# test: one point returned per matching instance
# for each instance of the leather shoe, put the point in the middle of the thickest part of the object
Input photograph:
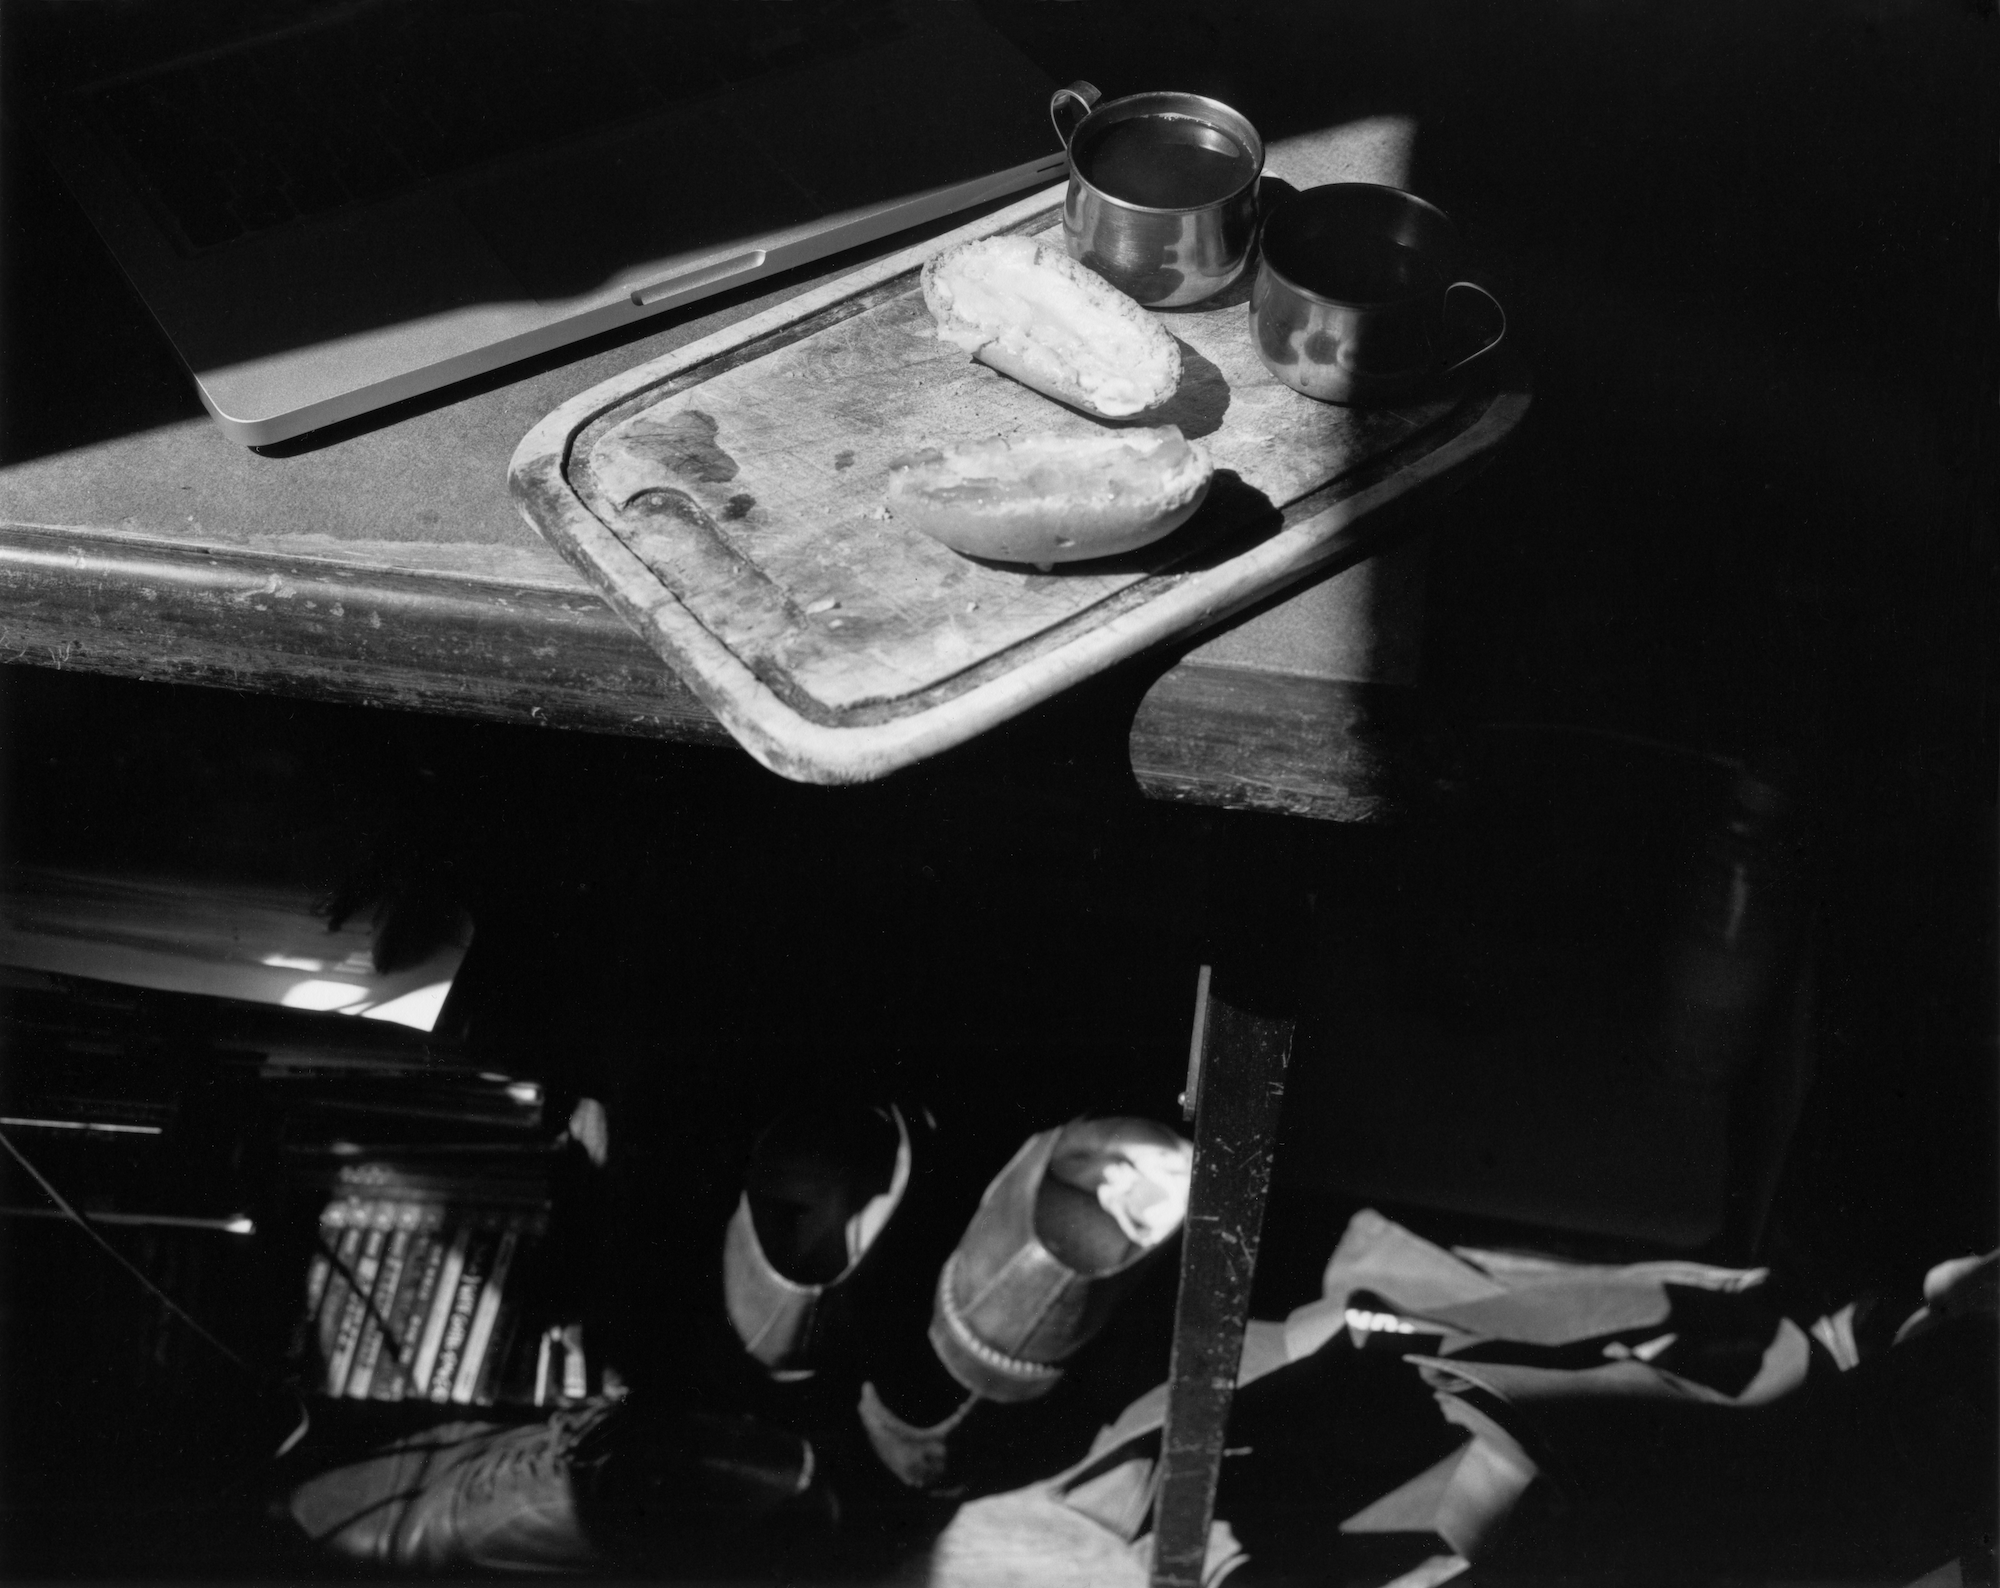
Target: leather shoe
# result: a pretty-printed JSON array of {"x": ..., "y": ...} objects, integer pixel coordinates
[
  {"x": 579, "y": 1489},
  {"x": 815, "y": 1270},
  {"x": 1060, "y": 1236}
]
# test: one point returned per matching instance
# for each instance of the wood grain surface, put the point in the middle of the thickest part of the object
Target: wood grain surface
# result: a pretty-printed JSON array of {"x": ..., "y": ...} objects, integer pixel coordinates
[
  {"x": 796, "y": 562},
  {"x": 728, "y": 501},
  {"x": 385, "y": 564}
]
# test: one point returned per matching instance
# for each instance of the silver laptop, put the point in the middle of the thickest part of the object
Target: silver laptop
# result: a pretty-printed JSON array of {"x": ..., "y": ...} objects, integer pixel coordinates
[{"x": 363, "y": 201}]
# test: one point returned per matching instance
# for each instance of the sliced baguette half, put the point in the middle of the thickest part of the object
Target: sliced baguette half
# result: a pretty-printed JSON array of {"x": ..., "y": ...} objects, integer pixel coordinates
[
  {"x": 1051, "y": 499},
  {"x": 1034, "y": 313}
]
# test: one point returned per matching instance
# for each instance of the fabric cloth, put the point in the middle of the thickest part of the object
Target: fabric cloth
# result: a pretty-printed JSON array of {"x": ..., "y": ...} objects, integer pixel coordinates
[{"x": 1658, "y": 1404}]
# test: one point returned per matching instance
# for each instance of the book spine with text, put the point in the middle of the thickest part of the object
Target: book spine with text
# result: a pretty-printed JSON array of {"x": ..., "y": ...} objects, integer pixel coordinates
[
  {"x": 354, "y": 1310},
  {"x": 479, "y": 1252},
  {"x": 344, "y": 1237},
  {"x": 410, "y": 1309},
  {"x": 479, "y": 1338},
  {"x": 439, "y": 1314},
  {"x": 388, "y": 1278}
]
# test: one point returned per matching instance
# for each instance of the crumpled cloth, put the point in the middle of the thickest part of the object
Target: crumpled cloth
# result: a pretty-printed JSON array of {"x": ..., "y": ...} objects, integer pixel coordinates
[
  {"x": 1656, "y": 1399},
  {"x": 1558, "y": 1368}
]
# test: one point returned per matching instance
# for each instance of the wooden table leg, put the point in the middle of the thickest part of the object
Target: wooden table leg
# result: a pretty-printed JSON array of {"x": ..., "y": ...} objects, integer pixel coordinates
[{"x": 1236, "y": 1088}]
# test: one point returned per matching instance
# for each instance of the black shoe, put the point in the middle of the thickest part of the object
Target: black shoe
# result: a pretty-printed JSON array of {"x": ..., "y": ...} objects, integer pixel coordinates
[
  {"x": 830, "y": 1256},
  {"x": 580, "y": 1489}
]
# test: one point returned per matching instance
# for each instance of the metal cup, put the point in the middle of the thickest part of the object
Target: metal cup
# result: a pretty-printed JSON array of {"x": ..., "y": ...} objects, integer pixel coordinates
[
  {"x": 1162, "y": 197},
  {"x": 1352, "y": 283}
]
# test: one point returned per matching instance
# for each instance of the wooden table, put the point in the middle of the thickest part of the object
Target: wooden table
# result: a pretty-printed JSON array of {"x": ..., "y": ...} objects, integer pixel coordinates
[{"x": 384, "y": 563}]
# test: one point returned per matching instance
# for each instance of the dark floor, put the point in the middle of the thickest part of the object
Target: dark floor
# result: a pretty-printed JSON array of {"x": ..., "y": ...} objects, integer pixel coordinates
[{"x": 696, "y": 943}]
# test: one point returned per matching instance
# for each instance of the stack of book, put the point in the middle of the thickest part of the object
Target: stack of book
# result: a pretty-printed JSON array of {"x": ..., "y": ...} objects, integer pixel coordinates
[{"x": 420, "y": 1285}]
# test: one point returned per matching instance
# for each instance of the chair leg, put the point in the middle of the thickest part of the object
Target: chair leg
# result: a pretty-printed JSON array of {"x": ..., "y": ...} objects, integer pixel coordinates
[{"x": 1236, "y": 1085}]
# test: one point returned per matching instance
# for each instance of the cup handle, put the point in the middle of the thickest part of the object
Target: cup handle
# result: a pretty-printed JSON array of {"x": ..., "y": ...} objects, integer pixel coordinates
[
  {"x": 1078, "y": 94},
  {"x": 1493, "y": 341}
]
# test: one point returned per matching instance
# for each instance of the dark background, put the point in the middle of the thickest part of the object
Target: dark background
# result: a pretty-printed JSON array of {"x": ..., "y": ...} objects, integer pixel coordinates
[{"x": 1749, "y": 256}]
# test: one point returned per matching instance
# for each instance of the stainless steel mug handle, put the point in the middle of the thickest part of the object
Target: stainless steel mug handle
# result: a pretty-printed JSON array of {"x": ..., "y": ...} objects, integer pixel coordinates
[
  {"x": 1083, "y": 94},
  {"x": 1497, "y": 337}
]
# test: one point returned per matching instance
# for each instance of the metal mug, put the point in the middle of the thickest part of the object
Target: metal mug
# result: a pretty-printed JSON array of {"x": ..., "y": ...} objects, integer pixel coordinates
[
  {"x": 1162, "y": 197},
  {"x": 1352, "y": 284}
]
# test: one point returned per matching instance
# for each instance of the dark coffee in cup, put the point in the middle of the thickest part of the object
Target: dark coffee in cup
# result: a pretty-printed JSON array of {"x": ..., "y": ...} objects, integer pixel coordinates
[
  {"x": 1164, "y": 162},
  {"x": 1162, "y": 198},
  {"x": 1352, "y": 284},
  {"x": 1357, "y": 267}
]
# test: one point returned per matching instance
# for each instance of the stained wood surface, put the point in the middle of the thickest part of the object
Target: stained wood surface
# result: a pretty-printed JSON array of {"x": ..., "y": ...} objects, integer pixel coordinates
[
  {"x": 318, "y": 629},
  {"x": 729, "y": 501},
  {"x": 798, "y": 565},
  {"x": 385, "y": 564},
  {"x": 1193, "y": 732}
]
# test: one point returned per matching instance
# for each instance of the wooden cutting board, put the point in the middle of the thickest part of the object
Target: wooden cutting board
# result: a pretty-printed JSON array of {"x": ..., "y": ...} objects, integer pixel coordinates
[{"x": 729, "y": 501}]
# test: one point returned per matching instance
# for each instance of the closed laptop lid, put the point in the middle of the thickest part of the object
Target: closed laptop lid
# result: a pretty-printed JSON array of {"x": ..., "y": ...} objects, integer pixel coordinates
[{"x": 349, "y": 203}]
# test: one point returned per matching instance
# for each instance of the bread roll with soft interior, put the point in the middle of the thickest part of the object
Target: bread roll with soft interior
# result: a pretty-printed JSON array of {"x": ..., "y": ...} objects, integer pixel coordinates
[
  {"x": 1032, "y": 312},
  {"x": 1050, "y": 499}
]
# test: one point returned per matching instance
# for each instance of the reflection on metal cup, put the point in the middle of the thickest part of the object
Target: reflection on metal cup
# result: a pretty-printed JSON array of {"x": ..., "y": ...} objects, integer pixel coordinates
[
  {"x": 1352, "y": 284},
  {"x": 1162, "y": 197}
]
